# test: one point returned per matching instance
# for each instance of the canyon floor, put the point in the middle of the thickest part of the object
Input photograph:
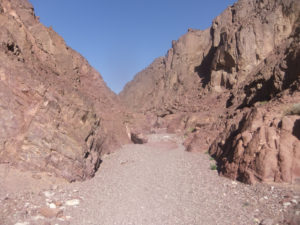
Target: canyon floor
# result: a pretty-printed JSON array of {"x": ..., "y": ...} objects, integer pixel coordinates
[{"x": 154, "y": 183}]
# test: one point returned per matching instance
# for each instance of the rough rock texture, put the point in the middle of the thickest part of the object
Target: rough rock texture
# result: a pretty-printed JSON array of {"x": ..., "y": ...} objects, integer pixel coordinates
[
  {"x": 240, "y": 75},
  {"x": 262, "y": 146},
  {"x": 138, "y": 138},
  {"x": 170, "y": 83},
  {"x": 219, "y": 58},
  {"x": 57, "y": 115},
  {"x": 155, "y": 183}
]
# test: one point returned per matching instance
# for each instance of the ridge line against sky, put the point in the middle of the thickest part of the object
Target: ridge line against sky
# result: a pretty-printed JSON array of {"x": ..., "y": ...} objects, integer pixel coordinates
[{"x": 121, "y": 38}]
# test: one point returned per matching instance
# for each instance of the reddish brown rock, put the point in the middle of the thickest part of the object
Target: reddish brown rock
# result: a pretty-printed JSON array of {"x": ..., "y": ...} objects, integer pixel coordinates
[
  {"x": 212, "y": 81},
  {"x": 57, "y": 115},
  {"x": 262, "y": 146},
  {"x": 217, "y": 59},
  {"x": 50, "y": 213}
]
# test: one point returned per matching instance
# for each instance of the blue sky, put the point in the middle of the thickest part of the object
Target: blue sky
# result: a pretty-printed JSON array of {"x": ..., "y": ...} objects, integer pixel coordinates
[{"x": 119, "y": 38}]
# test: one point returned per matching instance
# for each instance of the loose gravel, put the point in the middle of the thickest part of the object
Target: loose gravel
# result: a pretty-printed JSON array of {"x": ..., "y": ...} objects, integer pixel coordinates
[{"x": 155, "y": 183}]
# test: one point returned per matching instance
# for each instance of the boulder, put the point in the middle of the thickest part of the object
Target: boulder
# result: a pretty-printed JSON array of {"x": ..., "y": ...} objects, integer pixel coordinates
[{"x": 138, "y": 138}]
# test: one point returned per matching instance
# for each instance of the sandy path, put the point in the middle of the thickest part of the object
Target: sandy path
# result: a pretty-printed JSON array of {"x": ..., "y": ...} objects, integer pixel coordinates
[{"x": 159, "y": 183}]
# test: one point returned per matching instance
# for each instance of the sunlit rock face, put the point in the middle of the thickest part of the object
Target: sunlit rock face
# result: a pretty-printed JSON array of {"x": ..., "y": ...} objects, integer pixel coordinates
[
  {"x": 56, "y": 113},
  {"x": 213, "y": 84}
]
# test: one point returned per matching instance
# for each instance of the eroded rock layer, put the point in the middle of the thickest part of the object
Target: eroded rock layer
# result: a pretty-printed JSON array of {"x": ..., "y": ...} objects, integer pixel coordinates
[
  {"x": 237, "y": 78},
  {"x": 57, "y": 115}
]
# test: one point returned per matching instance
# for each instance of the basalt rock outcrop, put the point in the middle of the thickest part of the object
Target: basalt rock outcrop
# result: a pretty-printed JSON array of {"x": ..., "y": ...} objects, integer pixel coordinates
[
  {"x": 56, "y": 113},
  {"x": 228, "y": 89}
]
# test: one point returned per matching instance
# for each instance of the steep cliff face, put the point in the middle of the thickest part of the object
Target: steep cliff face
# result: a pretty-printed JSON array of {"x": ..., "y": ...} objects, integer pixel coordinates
[
  {"x": 171, "y": 82},
  {"x": 218, "y": 59},
  {"x": 57, "y": 115},
  {"x": 210, "y": 81},
  {"x": 264, "y": 143}
]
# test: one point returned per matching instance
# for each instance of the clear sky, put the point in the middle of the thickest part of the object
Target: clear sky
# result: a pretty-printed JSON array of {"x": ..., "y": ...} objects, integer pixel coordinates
[{"x": 119, "y": 38}]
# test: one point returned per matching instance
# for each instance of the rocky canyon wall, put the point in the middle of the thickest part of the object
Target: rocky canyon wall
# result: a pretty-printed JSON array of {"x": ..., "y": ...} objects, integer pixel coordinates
[
  {"x": 230, "y": 89},
  {"x": 57, "y": 114}
]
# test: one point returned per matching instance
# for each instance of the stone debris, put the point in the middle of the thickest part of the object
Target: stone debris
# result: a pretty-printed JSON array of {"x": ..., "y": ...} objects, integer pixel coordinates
[
  {"x": 58, "y": 203},
  {"x": 48, "y": 194},
  {"x": 50, "y": 213},
  {"x": 38, "y": 217},
  {"x": 256, "y": 221},
  {"x": 267, "y": 222},
  {"x": 70, "y": 207},
  {"x": 138, "y": 138},
  {"x": 294, "y": 201},
  {"x": 52, "y": 206},
  {"x": 73, "y": 202}
]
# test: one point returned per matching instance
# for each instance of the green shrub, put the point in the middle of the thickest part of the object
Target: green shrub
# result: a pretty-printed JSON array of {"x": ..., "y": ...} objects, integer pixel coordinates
[{"x": 213, "y": 167}]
